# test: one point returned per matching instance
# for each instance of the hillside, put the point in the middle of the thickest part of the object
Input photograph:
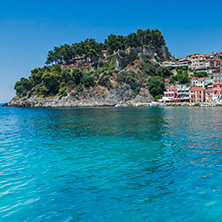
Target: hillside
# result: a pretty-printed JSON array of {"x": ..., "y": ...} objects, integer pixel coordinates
[{"x": 122, "y": 70}]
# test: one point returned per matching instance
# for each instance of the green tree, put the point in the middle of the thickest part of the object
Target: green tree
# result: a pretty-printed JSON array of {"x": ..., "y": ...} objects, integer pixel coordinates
[
  {"x": 156, "y": 85},
  {"x": 163, "y": 71},
  {"x": 76, "y": 75},
  {"x": 65, "y": 75},
  {"x": 132, "y": 40},
  {"x": 43, "y": 90},
  {"x": 51, "y": 80},
  {"x": 157, "y": 38},
  {"x": 87, "y": 80},
  {"x": 156, "y": 98},
  {"x": 36, "y": 75},
  {"x": 23, "y": 86},
  {"x": 113, "y": 43}
]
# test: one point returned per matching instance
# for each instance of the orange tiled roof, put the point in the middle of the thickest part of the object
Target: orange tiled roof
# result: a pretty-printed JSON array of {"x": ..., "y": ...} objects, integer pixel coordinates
[
  {"x": 201, "y": 79},
  {"x": 217, "y": 83},
  {"x": 193, "y": 54},
  {"x": 182, "y": 60},
  {"x": 197, "y": 89}
]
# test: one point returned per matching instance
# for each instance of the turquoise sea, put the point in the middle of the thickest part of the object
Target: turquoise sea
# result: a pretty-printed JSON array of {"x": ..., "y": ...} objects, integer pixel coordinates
[{"x": 111, "y": 164}]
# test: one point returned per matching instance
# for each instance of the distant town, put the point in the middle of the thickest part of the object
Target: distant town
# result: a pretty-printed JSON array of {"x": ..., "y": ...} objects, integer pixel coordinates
[{"x": 201, "y": 89}]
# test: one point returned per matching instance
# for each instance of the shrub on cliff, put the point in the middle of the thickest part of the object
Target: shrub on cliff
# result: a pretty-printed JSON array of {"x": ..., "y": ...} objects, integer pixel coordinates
[
  {"x": 87, "y": 80},
  {"x": 127, "y": 77},
  {"x": 43, "y": 90},
  {"x": 181, "y": 78},
  {"x": 163, "y": 71},
  {"x": 156, "y": 85},
  {"x": 51, "y": 80},
  {"x": 156, "y": 98},
  {"x": 76, "y": 75}
]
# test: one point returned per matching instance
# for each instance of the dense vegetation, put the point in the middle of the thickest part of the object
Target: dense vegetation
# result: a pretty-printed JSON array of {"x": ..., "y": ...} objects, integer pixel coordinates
[
  {"x": 54, "y": 80},
  {"x": 182, "y": 76},
  {"x": 92, "y": 49},
  {"x": 199, "y": 74}
]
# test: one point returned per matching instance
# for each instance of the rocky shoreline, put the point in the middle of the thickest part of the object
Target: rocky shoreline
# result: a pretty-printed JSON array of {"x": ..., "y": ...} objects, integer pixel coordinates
[{"x": 104, "y": 102}]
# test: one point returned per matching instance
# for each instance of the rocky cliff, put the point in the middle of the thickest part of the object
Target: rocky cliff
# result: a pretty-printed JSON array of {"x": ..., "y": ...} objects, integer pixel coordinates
[
  {"x": 121, "y": 78},
  {"x": 118, "y": 95}
]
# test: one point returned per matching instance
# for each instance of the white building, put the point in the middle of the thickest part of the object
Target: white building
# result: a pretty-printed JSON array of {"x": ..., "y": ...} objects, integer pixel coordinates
[{"x": 217, "y": 77}]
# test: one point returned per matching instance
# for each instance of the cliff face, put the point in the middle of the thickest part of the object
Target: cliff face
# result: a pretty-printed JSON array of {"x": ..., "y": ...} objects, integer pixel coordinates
[
  {"x": 94, "y": 97},
  {"x": 120, "y": 78},
  {"x": 129, "y": 55}
]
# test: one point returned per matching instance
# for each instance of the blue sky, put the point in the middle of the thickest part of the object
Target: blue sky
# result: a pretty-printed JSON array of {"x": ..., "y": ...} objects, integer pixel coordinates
[{"x": 29, "y": 30}]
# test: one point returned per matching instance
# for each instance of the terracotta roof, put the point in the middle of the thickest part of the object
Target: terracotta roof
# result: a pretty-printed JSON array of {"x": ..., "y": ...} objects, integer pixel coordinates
[
  {"x": 173, "y": 87},
  {"x": 218, "y": 60},
  {"x": 217, "y": 83},
  {"x": 201, "y": 79},
  {"x": 184, "y": 60},
  {"x": 197, "y": 89},
  {"x": 193, "y": 54}
]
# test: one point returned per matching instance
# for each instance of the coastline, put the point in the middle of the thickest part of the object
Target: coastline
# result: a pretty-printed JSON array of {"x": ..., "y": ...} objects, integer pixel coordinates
[{"x": 67, "y": 102}]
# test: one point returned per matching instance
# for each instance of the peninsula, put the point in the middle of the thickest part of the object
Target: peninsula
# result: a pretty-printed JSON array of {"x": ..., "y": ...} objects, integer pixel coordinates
[
  {"x": 122, "y": 70},
  {"x": 132, "y": 70}
]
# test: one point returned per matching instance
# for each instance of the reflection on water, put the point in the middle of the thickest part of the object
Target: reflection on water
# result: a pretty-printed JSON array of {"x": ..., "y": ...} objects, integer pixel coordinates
[{"x": 109, "y": 164}]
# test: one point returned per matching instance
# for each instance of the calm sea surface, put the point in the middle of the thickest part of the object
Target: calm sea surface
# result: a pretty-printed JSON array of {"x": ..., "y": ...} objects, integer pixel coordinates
[{"x": 111, "y": 164}]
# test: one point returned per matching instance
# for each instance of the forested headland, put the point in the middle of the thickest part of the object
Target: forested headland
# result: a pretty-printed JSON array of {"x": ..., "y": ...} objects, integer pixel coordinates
[{"x": 89, "y": 68}]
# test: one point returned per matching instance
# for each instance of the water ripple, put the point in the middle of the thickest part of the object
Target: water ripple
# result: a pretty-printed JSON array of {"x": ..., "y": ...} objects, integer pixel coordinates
[{"x": 108, "y": 164}]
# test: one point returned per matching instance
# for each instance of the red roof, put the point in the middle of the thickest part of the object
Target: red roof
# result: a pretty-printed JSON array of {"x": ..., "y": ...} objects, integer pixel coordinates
[
  {"x": 193, "y": 54},
  {"x": 217, "y": 83},
  {"x": 184, "y": 60},
  {"x": 218, "y": 60},
  {"x": 173, "y": 87},
  {"x": 197, "y": 89},
  {"x": 201, "y": 79}
]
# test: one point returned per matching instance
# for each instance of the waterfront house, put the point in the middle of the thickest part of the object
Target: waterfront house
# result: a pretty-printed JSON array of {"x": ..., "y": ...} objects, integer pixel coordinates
[
  {"x": 209, "y": 94},
  {"x": 170, "y": 94},
  {"x": 178, "y": 93},
  {"x": 214, "y": 92},
  {"x": 217, "y": 95},
  {"x": 197, "y": 95},
  {"x": 183, "y": 93}
]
